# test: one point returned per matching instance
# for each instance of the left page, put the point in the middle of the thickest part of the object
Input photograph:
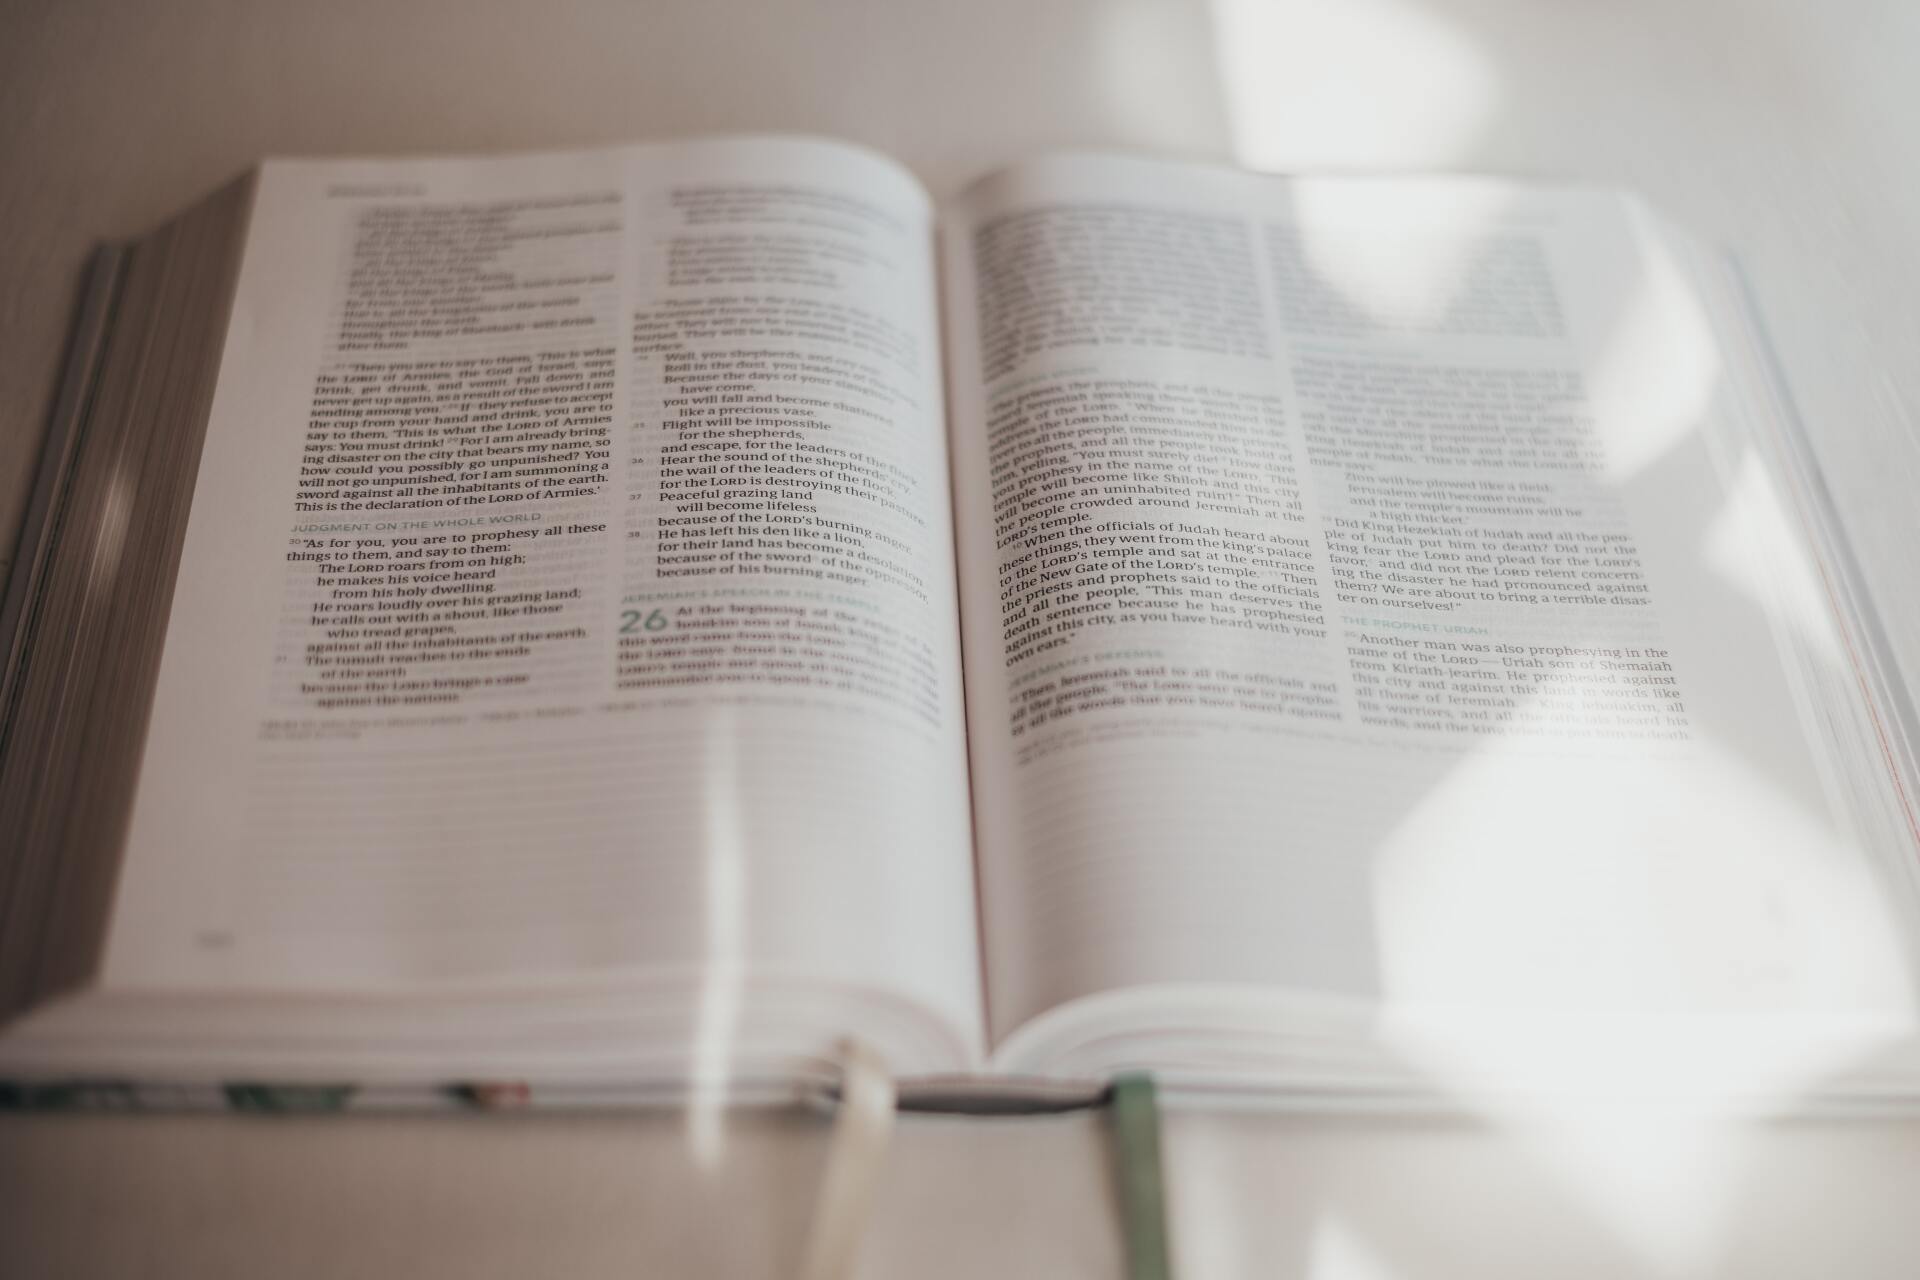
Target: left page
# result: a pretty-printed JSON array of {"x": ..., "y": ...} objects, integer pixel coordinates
[{"x": 568, "y": 595}]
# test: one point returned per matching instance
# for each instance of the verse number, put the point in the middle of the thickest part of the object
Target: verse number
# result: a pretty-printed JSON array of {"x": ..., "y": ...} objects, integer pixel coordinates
[{"x": 632, "y": 620}]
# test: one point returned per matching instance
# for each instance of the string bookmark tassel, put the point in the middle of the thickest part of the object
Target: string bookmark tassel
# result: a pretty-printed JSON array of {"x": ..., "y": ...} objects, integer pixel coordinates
[
  {"x": 1143, "y": 1195},
  {"x": 862, "y": 1130}
]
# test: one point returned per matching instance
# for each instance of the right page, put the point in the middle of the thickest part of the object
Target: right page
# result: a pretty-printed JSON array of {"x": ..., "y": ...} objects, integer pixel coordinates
[{"x": 1365, "y": 597}]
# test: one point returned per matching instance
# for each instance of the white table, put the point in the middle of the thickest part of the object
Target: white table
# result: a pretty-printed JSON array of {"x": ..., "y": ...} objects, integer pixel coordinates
[{"x": 1781, "y": 130}]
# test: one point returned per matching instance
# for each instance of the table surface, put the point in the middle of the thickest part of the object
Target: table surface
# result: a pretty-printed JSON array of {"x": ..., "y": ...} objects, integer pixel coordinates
[{"x": 1781, "y": 130}]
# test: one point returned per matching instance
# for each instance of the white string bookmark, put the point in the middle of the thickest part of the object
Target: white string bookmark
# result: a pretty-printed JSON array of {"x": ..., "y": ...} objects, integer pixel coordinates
[{"x": 858, "y": 1152}]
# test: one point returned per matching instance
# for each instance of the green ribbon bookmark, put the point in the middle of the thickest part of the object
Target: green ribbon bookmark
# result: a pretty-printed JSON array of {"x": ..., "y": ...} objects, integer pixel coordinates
[{"x": 1143, "y": 1199}]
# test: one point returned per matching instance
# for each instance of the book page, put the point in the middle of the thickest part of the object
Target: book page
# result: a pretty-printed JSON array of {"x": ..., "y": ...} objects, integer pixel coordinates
[
  {"x": 1361, "y": 600},
  {"x": 569, "y": 591}
]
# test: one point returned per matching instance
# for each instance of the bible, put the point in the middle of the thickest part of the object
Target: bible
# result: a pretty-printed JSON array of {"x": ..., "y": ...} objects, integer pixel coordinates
[{"x": 634, "y": 618}]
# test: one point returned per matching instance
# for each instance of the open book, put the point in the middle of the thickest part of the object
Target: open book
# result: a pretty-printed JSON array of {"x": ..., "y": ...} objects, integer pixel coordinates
[{"x": 643, "y": 615}]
